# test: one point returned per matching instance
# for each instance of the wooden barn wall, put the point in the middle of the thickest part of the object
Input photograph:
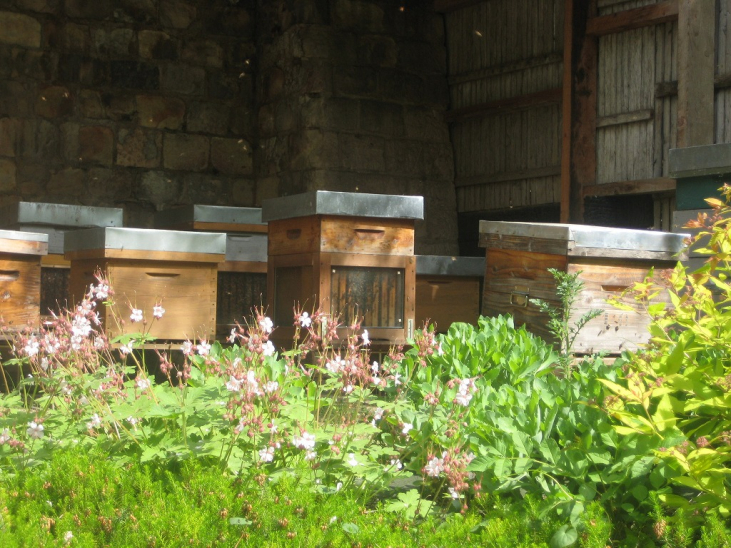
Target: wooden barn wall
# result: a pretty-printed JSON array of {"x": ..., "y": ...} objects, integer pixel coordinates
[
  {"x": 502, "y": 51},
  {"x": 722, "y": 103},
  {"x": 636, "y": 100}
]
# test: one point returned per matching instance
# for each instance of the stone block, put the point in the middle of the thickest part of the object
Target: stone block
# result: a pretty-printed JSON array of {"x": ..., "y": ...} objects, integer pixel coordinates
[
  {"x": 422, "y": 58},
  {"x": 136, "y": 11},
  {"x": 242, "y": 121},
  {"x": 159, "y": 188},
  {"x": 355, "y": 82},
  {"x": 206, "y": 189},
  {"x": 20, "y": 30},
  {"x": 32, "y": 178},
  {"x": 207, "y": 53},
  {"x": 312, "y": 149},
  {"x": 266, "y": 189},
  {"x": 134, "y": 75},
  {"x": 176, "y": 14},
  {"x": 232, "y": 156},
  {"x": 10, "y": 132},
  {"x": 382, "y": 118},
  {"x": 74, "y": 38},
  {"x": 426, "y": 124},
  {"x": 89, "y": 9},
  {"x": 160, "y": 111},
  {"x": 377, "y": 51},
  {"x": 205, "y": 117},
  {"x": 183, "y": 79},
  {"x": 242, "y": 192},
  {"x": 7, "y": 175},
  {"x": 337, "y": 47},
  {"x": 96, "y": 145},
  {"x": 139, "y": 148},
  {"x": 186, "y": 152},
  {"x": 273, "y": 84},
  {"x": 109, "y": 187},
  {"x": 17, "y": 98},
  {"x": 265, "y": 120},
  {"x": 67, "y": 185},
  {"x": 54, "y": 102},
  {"x": 70, "y": 142},
  {"x": 90, "y": 104},
  {"x": 224, "y": 86},
  {"x": 234, "y": 21},
  {"x": 361, "y": 152},
  {"x": 157, "y": 45},
  {"x": 7, "y": 60},
  {"x": 120, "y": 107},
  {"x": 113, "y": 43},
  {"x": 35, "y": 64},
  {"x": 358, "y": 16},
  {"x": 405, "y": 158},
  {"x": 40, "y": 6},
  {"x": 285, "y": 117},
  {"x": 39, "y": 141}
]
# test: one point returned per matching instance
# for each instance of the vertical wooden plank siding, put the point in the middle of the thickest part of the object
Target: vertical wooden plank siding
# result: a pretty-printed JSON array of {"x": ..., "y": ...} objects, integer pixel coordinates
[
  {"x": 501, "y": 50},
  {"x": 696, "y": 62},
  {"x": 722, "y": 105}
]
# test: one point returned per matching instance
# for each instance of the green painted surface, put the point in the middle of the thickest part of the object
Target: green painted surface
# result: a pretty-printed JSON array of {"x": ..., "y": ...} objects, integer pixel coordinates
[{"x": 691, "y": 192}]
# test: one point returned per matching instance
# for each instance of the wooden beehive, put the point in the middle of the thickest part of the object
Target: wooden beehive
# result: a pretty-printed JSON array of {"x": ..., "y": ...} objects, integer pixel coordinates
[
  {"x": 242, "y": 276},
  {"x": 20, "y": 278},
  {"x": 351, "y": 255},
  {"x": 55, "y": 220},
  {"x": 610, "y": 260},
  {"x": 148, "y": 267},
  {"x": 448, "y": 290}
]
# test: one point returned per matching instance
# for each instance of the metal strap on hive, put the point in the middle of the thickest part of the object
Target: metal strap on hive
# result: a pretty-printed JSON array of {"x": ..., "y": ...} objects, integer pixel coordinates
[{"x": 323, "y": 202}]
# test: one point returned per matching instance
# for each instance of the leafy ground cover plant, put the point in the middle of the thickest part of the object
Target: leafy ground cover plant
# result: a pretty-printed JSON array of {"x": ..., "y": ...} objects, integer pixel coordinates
[
  {"x": 81, "y": 499},
  {"x": 675, "y": 395}
]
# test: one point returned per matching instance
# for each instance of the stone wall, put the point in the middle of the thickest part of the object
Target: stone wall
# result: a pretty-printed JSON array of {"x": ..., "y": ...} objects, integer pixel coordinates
[
  {"x": 147, "y": 104},
  {"x": 141, "y": 104},
  {"x": 352, "y": 97}
]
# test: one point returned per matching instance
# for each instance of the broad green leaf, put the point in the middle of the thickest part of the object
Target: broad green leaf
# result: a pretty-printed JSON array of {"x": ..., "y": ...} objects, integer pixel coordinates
[{"x": 565, "y": 536}]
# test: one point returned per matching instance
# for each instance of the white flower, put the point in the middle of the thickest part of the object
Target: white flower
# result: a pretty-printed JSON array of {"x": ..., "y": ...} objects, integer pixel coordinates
[
  {"x": 348, "y": 389},
  {"x": 268, "y": 349},
  {"x": 80, "y": 327},
  {"x": 305, "y": 320},
  {"x": 34, "y": 430},
  {"x": 434, "y": 467},
  {"x": 334, "y": 366},
  {"x": 375, "y": 380},
  {"x": 271, "y": 386},
  {"x": 338, "y": 487},
  {"x": 396, "y": 378},
  {"x": 68, "y": 536},
  {"x": 95, "y": 422},
  {"x": 407, "y": 426},
  {"x": 440, "y": 351},
  {"x": 44, "y": 364},
  {"x": 158, "y": 311},
  {"x": 305, "y": 441},
  {"x": 203, "y": 348},
  {"x": 234, "y": 384},
  {"x": 101, "y": 291},
  {"x": 252, "y": 382},
  {"x": 5, "y": 436},
  {"x": 133, "y": 421},
  {"x": 310, "y": 455},
  {"x": 99, "y": 343},
  {"x": 232, "y": 337},
  {"x": 136, "y": 315},
  {"x": 364, "y": 336},
  {"x": 267, "y": 454},
  {"x": 143, "y": 384},
  {"x": 351, "y": 460},
  {"x": 374, "y": 367},
  {"x": 454, "y": 494},
  {"x": 273, "y": 428},
  {"x": 464, "y": 393},
  {"x": 32, "y": 346},
  {"x": 126, "y": 348},
  {"x": 397, "y": 463},
  {"x": 335, "y": 518},
  {"x": 379, "y": 414},
  {"x": 187, "y": 348},
  {"x": 266, "y": 325}
]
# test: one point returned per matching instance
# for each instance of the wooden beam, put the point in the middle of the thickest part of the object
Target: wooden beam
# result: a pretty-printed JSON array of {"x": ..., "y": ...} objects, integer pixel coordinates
[
  {"x": 633, "y": 18},
  {"x": 445, "y": 6},
  {"x": 534, "y": 173},
  {"x": 625, "y": 118},
  {"x": 696, "y": 68},
  {"x": 643, "y": 186},
  {"x": 510, "y": 104},
  {"x": 578, "y": 142},
  {"x": 669, "y": 89},
  {"x": 506, "y": 68}
]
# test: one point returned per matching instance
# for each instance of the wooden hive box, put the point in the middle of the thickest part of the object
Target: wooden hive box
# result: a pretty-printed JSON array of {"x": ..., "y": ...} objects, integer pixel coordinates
[
  {"x": 148, "y": 267},
  {"x": 55, "y": 220},
  {"x": 242, "y": 276},
  {"x": 20, "y": 278},
  {"x": 448, "y": 290},
  {"x": 610, "y": 260},
  {"x": 350, "y": 254}
]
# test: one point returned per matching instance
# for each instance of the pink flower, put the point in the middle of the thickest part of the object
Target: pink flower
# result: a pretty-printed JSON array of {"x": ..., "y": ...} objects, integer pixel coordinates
[
  {"x": 203, "y": 348},
  {"x": 187, "y": 348},
  {"x": 158, "y": 311},
  {"x": 305, "y": 441},
  {"x": 136, "y": 315},
  {"x": 434, "y": 467},
  {"x": 267, "y": 454}
]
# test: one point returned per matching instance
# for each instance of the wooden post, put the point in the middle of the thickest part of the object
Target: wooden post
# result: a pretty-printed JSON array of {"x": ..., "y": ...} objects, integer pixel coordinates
[
  {"x": 578, "y": 153},
  {"x": 696, "y": 68}
]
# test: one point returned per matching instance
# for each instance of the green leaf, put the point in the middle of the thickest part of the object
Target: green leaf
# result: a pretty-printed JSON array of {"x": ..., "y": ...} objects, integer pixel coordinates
[
  {"x": 565, "y": 536},
  {"x": 351, "y": 528},
  {"x": 239, "y": 521}
]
